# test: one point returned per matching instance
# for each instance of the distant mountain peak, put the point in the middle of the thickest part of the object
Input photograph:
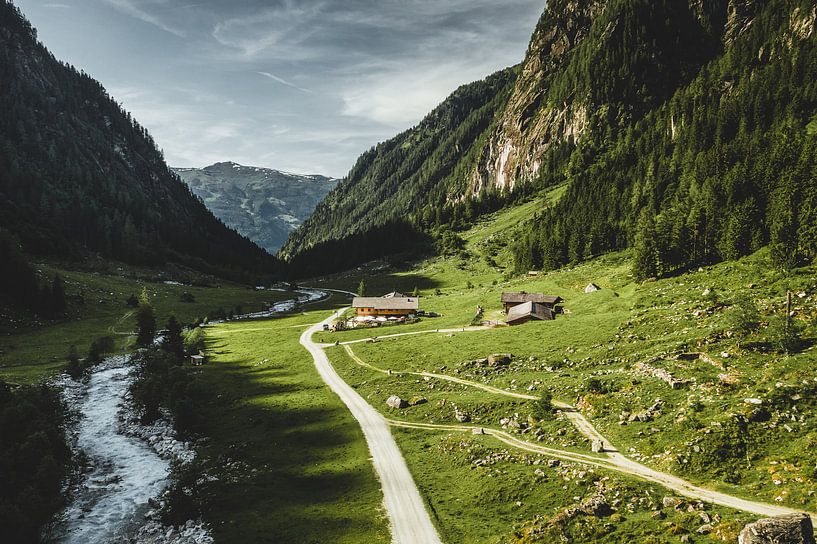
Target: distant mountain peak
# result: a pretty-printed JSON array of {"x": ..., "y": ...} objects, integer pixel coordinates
[{"x": 264, "y": 204}]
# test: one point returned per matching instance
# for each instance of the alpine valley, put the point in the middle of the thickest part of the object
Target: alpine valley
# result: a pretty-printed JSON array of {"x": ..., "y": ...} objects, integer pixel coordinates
[{"x": 575, "y": 302}]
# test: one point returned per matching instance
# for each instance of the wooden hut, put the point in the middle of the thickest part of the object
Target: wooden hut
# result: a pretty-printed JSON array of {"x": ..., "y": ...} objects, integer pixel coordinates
[{"x": 509, "y": 300}]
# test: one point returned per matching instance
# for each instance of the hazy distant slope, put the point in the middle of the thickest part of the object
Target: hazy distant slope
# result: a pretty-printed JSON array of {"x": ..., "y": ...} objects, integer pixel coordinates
[{"x": 264, "y": 205}]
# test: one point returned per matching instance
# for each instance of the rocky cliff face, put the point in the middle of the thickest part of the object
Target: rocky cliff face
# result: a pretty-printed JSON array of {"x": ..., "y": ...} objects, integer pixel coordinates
[
  {"x": 530, "y": 124},
  {"x": 262, "y": 204},
  {"x": 600, "y": 64}
]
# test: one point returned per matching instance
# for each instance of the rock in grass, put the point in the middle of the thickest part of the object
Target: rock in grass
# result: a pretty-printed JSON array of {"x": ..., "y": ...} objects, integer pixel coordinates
[
  {"x": 788, "y": 529},
  {"x": 415, "y": 400},
  {"x": 396, "y": 402},
  {"x": 500, "y": 359}
]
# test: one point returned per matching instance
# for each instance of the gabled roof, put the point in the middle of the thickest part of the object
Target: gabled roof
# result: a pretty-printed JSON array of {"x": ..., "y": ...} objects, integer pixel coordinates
[
  {"x": 386, "y": 303},
  {"x": 519, "y": 298},
  {"x": 532, "y": 310}
]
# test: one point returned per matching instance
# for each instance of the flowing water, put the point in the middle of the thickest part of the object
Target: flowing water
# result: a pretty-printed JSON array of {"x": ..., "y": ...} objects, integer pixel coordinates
[{"x": 125, "y": 472}]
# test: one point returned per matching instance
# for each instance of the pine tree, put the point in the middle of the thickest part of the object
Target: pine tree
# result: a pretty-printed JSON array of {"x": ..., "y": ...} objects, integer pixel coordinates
[
  {"x": 361, "y": 288},
  {"x": 145, "y": 320},
  {"x": 173, "y": 342}
]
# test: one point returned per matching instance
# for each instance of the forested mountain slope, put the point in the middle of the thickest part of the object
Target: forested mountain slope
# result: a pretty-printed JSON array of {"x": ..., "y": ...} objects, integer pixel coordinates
[
  {"x": 712, "y": 169},
  {"x": 685, "y": 128},
  {"x": 264, "y": 205},
  {"x": 79, "y": 176},
  {"x": 417, "y": 169}
]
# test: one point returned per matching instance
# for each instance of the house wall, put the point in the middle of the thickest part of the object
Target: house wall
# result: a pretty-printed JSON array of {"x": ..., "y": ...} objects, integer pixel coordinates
[{"x": 387, "y": 313}]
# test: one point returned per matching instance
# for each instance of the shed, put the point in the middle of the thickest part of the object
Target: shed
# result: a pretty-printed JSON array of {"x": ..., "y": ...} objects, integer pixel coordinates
[
  {"x": 509, "y": 300},
  {"x": 197, "y": 360},
  {"x": 522, "y": 313}
]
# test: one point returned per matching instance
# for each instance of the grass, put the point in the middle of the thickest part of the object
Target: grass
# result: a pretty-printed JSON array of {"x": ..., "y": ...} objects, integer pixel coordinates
[
  {"x": 704, "y": 431},
  {"x": 291, "y": 462},
  {"x": 31, "y": 351}
]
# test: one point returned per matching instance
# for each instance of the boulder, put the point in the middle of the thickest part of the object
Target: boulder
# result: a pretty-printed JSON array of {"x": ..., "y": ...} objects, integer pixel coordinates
[
  {"x": 597, "y": 446},
  {"x": 396, "y": 402},
  {"x": 596, "y": 506},
  {"x": 500, "y": 359},
  {"x": 788, "y": 529},
  {"x": 591, "y": 288},
  {"x": 671, "y": 502}
]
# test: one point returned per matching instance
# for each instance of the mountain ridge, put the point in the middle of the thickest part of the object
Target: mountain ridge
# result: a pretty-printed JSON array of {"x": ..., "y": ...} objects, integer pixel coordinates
[{"x": 264, "y": 204}]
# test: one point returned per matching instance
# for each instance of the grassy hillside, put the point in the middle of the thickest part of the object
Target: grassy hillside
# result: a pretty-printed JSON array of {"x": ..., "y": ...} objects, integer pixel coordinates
[
  {"x": 599, "y": 356},
  {"x": 31, "y": 349}
]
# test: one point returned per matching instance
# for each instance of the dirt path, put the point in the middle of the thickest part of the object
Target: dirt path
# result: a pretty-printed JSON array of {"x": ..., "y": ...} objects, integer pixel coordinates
[
  {"x": 610, "y": 459},
  {"x": 410, "y": 522}
]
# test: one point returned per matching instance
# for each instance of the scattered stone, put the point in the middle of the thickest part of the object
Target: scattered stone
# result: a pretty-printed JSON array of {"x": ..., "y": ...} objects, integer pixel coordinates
[
  {"x": 500, "y": 359},
  {"x": 756, "y": 402},
  {"x": 396, "y": 402},
  {"x": 704, "y": 529},
  {"x": 477, "y": 430},
  {"x": 788, "y": 529},
  {"x": 658, "y": 514},
  {"x": 461, "y": 416},
  {"x": 660, "y": 373},
  {"x": 553, "y": 463},
  {"x": 671, "y": 502}
]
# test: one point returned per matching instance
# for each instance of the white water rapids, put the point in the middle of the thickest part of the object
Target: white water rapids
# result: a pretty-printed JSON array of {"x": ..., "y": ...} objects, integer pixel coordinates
[{"x": 125, "y": 471}]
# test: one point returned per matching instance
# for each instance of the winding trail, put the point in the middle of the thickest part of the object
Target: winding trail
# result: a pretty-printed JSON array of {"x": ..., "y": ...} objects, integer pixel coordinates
[
  {"x": 610, "y": 458},
  {"x": 409, "y": 519}
]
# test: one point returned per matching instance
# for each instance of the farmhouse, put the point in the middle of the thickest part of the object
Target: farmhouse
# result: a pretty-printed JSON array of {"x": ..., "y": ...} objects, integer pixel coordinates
[
  {"x": 522, "y": 313},
  {"x": 388, "y": 306},
  {"x": 509, "y": 300}
]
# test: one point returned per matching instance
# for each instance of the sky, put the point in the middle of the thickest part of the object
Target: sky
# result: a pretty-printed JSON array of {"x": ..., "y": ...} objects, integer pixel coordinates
[{"x": 297, "y": 85}]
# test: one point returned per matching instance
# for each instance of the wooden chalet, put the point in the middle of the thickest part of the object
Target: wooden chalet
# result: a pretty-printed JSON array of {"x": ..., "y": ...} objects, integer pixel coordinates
[
  {"x": 388, "y": 306},
  {"x": 510, "y": 300},
  {"x": 522, "y": 313}
]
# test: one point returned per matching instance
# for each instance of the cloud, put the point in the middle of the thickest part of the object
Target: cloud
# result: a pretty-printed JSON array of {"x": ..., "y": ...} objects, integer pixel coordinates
[
  {"x": 57, "y": 6},
  {"x": 135, "y": 9},
  {"x": 283, "y": 81}
]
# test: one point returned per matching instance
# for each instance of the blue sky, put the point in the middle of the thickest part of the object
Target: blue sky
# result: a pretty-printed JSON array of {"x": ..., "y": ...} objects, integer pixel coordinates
[{"x": 303, "y": 86}]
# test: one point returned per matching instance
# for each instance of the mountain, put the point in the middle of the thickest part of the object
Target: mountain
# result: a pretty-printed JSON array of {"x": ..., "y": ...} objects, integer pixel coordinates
[
  {"x": 262, "y": 204},
  {"x": 423, "y": 167},
  {"x": 682, "y": 129},
  {"x": 79, "y": 177}
]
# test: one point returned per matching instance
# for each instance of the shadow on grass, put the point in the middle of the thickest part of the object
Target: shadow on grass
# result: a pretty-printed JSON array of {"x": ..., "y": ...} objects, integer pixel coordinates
[{"x": 291, "y": 462}]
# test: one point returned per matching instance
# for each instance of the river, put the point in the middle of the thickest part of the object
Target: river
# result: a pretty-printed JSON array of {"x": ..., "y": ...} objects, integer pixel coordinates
[{"x": 124, "y": 471}]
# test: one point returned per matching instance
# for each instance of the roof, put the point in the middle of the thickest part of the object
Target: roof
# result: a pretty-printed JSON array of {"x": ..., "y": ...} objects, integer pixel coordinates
[
  {"x": 384, "y": 303},
  {"x": 534, "y": 310},
  {"x": 519, "y": 298}
]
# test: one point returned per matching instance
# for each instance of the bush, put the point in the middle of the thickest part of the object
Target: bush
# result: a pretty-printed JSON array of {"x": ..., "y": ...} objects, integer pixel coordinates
[
  {"x": 74, "y": 367},
  {"x": 742, "y": 317},
  {"x": 784, "y": 337},
  {"x": 187, "y": 297},
  {"x": 543, "y": 406}
]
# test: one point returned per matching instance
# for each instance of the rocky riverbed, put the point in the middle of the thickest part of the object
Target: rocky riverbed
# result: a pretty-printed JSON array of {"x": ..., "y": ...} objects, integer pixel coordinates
[{"x": 128, "y": 466}]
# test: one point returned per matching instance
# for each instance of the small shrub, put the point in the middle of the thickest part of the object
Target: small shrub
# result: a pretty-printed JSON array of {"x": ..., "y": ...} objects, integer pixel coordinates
[
  {"x": 187, "y": 297},
  {"x": 543, "y": 406},
  {"x": 784, "y": 337}
]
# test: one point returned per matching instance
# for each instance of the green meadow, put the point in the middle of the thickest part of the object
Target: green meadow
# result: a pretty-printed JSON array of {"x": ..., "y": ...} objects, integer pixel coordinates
[{"x": 30, "y": 350}]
